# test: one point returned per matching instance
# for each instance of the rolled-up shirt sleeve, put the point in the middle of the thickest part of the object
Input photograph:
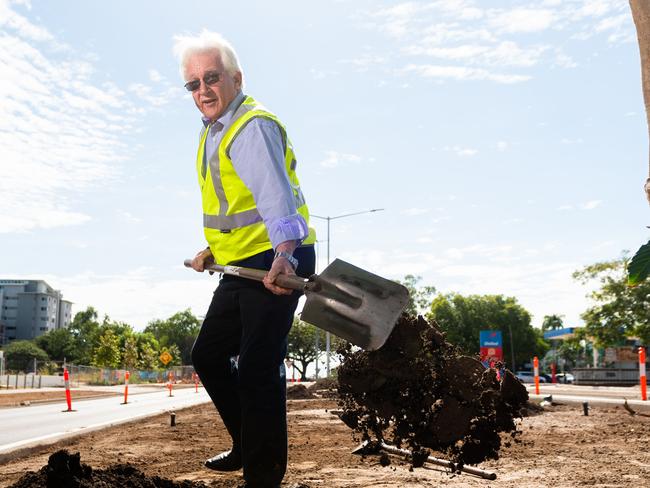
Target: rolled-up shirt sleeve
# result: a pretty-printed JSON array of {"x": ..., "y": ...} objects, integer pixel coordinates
[{"x": 258, "y": 157}]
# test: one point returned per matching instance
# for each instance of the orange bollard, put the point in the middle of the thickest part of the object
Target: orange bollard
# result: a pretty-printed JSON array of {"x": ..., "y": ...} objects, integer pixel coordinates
[
  {"x": 536, "y": 370},
  {"x": 171, "y": 379},
  {"x": 68, "y": 397},
  {"x": 126, "y": 387},
  {"x": 642, "y": 378}
]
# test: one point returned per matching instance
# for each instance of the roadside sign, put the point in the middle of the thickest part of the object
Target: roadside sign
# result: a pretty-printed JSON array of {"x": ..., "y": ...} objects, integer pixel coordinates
[
  {"x": 165, "y": 357},
  {"x": 491, "y": 344}
]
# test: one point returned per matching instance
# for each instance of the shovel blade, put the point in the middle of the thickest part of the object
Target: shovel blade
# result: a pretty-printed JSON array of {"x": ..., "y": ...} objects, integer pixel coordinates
[{"x": 354, "y": 304}]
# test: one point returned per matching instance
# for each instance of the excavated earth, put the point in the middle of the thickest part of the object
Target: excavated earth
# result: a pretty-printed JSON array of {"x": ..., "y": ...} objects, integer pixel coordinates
[
  {"x": 65, "y": 470},
  {"x": 419, "y": 392}
]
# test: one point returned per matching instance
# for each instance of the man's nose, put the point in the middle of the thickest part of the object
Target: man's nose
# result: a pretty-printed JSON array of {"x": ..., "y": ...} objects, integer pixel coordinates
[{"x": 203, "y": 87}]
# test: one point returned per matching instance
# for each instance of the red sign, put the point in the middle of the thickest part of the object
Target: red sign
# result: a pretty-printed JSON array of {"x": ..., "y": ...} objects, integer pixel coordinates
[{"x": 489, "y": 354}]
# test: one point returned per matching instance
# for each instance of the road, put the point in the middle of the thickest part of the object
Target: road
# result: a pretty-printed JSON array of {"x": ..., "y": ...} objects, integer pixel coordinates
[
  {"x": 595, "y": 395},
  {"x": 24, "y": 427}
]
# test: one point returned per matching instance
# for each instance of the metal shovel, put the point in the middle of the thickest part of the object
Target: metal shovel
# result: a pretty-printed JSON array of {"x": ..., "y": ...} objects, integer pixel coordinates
[
  {"x": 350, "y": 302},
  {"x": 374, "y": 447}
]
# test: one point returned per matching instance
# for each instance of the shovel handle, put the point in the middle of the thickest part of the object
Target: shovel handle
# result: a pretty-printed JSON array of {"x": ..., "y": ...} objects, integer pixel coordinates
[{"x": 292, "y": 282}]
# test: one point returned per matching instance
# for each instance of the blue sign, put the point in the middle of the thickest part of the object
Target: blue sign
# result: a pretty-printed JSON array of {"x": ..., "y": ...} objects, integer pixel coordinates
[{"x": 491, "y": 338}]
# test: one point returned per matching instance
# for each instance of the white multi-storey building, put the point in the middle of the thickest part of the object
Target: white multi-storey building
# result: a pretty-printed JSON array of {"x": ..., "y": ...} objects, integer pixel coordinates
[{"x": 30, "y": 308}]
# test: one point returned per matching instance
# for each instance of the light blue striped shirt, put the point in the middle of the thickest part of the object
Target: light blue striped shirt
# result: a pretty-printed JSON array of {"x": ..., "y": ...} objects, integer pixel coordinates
[{"x": 257, "y": 154}]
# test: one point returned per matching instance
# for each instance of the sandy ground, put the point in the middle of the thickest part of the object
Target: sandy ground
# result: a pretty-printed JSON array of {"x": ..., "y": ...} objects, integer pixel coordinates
[
  {"x": 559, "y": 448},
  {"x": 14, "y": 399}
]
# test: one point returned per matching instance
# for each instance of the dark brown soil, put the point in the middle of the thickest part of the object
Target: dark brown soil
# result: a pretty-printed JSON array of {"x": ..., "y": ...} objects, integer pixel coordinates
[
  {"x": 419, "y": 391},
  {"x": 66, "y": 470},
  {"x": 296, "y": 392},
  {"x": 561, "y": 448}
]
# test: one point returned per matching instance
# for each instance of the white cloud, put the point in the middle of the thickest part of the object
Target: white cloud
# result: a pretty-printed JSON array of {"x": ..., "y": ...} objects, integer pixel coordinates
[
  {"x": 522, "y": 20},
  {"x": 335, "y": 158},
  {"x": 502, "y": 145},
  {"x": 155, "y": 76},
  {"x": 129, "y": 217},
  {"x": 478, "y": 41},
  {"x": 62, "y": 131},
  {"x": 590, "y": 205},
  {"x": 364, "y": 62},
  {"x": 462, "y": 73},
  {"x": 462, "y": 152},
  {"x": 541, "y": 287}
]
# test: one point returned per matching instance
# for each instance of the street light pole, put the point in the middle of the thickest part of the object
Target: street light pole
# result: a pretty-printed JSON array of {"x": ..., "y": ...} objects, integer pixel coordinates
[
  {"x": 329, "y": 219},
  {"x": 512, "y": 348}
]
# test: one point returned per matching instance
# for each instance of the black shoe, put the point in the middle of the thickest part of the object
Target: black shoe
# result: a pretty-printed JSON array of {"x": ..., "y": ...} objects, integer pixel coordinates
[{"x": 226, "y": 461}]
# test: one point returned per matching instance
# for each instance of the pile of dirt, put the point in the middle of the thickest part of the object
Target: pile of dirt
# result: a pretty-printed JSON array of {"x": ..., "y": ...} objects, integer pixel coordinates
[
  {"x": 299, "y": 392},
  {"x": 420, "y": 391},
  {"x": 66, "y": 470},
  {"x": 325, "y": 388}
]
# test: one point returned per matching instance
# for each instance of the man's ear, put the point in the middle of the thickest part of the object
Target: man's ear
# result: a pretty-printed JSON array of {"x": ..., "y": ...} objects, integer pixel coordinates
[{"x": 238, "y": 80}]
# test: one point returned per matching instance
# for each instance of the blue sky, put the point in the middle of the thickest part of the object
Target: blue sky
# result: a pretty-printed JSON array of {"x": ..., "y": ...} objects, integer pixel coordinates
[{"x": 505, "y": 140}]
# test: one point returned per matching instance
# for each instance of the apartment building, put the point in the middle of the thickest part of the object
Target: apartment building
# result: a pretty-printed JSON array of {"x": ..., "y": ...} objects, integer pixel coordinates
[{"x": 30, "y": 308}]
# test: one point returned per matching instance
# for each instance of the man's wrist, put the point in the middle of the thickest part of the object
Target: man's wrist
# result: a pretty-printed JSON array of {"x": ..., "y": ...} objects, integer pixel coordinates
[{"x": 289, "y": 257}]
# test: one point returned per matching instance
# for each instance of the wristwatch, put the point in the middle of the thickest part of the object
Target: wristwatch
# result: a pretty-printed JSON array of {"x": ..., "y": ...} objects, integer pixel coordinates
[{"x": 288, "y": 257}]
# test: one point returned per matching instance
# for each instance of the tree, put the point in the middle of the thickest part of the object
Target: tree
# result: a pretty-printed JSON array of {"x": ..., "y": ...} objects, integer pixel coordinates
[
  {"x": 419, "y": 297},
  {"x": 85, "y": 332},
  {"x": 463, "y": 317},
  {"x": 21, "y": 354},
  {"x": 620, "y": 311},
  {"x": 59, "y": 344},
  {"x": 302, "y": 345},
  {"x": 130, "y": 352},
  {"x": 148, "y": 348},
  {"x": 107, "y": 352},
  {"x": 180, "y": 329},
  {"x": 552, "y": 322}
]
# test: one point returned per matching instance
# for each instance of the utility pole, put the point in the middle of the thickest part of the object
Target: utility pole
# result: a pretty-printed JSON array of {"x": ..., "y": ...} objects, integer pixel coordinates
[
  {"x": 327, "y": 334},
  {"x": 512, "y": 348}
]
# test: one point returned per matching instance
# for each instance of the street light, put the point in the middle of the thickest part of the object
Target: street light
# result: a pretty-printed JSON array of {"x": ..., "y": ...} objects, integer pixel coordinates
[{"x": 329, "y": 219}]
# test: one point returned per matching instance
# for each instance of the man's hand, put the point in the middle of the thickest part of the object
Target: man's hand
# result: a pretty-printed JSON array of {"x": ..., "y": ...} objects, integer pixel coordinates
[
  {"x": 280, "y": 266},
  {"x": 202, "y": 259}
]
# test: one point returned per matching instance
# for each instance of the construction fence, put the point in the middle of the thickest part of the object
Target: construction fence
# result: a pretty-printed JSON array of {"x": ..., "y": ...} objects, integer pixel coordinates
[{"x": 81, "y": 375}]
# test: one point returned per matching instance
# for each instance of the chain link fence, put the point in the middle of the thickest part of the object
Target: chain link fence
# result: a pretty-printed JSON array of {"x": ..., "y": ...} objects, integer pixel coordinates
[{"x": 50, "y": 373}]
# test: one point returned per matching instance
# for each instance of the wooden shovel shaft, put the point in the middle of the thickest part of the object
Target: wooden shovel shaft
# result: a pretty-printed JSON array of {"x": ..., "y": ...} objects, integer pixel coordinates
[{"x": 285, "y": 281}]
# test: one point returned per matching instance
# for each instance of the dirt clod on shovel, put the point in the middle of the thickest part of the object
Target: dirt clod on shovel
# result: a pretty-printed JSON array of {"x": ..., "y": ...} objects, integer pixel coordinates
[
  {"x": 418, "y": 390},
  {"x": 66, "y": 470}
]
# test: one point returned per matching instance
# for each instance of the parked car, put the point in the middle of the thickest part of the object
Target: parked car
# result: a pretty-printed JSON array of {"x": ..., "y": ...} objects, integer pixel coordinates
[
  {"x": 528, "y": 377},
  {"x": 564, "y": 378}
]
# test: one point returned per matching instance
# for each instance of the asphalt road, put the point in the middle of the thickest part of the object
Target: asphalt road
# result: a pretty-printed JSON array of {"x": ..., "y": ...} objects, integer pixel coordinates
[
  {"x": 43, "y": 424},
  {"x": 595, "y": 395}
]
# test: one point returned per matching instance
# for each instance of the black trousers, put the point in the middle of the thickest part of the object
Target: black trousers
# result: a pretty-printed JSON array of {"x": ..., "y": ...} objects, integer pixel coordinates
[{"x": 247, "y": 321}]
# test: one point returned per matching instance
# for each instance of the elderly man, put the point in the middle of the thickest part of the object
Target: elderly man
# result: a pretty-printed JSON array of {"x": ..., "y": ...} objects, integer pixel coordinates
[{"x": 254, "y": 215}]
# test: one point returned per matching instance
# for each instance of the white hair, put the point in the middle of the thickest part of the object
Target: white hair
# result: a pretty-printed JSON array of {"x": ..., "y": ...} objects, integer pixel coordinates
[{"x": 207, "y": 41}]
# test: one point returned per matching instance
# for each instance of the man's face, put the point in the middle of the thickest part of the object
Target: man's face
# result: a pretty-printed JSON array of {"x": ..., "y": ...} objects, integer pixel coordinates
[{"x": 212, "y": 100}]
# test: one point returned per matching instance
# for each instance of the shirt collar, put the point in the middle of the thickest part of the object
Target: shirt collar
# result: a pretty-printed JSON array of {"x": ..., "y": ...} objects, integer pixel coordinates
[{"x": 226, "y": 117}]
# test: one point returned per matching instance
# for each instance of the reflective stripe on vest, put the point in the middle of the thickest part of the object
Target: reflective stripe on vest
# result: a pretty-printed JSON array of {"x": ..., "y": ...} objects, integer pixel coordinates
[{"x": 232, "y": 224}]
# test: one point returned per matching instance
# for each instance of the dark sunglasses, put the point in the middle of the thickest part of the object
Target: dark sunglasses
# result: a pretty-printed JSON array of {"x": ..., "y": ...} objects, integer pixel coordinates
[{"x": 209, "y": 79}]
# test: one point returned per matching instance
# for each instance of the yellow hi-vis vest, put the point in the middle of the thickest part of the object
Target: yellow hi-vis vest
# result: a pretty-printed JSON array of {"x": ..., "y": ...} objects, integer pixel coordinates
[{"x": 232, "y": 225}]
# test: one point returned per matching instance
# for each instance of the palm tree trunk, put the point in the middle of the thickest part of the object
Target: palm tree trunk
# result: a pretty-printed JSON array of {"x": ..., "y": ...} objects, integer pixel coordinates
[{"x": 641, "y": 16}]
